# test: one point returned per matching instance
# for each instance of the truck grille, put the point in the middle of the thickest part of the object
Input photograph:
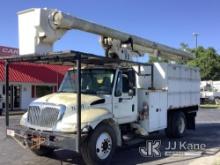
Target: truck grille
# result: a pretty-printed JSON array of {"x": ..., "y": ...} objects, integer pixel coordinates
[{"x": 43, "y": 116}]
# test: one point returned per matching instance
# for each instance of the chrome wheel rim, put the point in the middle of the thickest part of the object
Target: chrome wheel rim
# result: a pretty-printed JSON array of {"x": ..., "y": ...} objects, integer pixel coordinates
[
  {"x": 103, "y": 145},
  {"x": 181, "y": 126}
]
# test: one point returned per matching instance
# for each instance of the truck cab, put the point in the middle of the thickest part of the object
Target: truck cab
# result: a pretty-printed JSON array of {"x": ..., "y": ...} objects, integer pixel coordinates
[{"x": 105, "y": 93}]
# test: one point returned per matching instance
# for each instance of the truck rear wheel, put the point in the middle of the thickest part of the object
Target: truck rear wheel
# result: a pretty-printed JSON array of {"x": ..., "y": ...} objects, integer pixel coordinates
[
  {"x": 99, "y": 147},
  {"x": 176, "y": 125},
  {"x": 168, "y": 130}
]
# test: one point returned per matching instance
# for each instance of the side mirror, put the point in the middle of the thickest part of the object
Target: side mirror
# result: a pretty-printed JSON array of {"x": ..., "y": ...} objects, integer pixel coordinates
[{"x": 131, "y": 92}]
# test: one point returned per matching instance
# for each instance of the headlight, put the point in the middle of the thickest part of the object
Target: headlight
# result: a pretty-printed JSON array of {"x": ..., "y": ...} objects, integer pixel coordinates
[
  {"x": 65, "y": 127},
  {"x": 67, "y": 124}
]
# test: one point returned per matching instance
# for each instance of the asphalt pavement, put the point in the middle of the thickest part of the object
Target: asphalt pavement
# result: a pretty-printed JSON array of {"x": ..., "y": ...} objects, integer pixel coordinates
[{"x": 195, "y": 144}]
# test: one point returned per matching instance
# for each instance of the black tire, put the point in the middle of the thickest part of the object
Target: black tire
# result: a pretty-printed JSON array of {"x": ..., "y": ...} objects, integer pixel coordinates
[
  {"x": 168, "y": 130},
  {"x": 43, "y": 151},
  {"x": 176, "y": 125},
  {"x": 202, "y": 100},
  {"x": 179, "y": 124},
  {"x": 89, "y": 150}
]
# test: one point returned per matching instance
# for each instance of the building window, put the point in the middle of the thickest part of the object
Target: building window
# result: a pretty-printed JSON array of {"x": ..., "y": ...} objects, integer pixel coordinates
[{"x": 40, "y": 90}]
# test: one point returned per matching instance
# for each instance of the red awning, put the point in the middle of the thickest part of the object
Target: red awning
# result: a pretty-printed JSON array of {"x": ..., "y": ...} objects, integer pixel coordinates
[{"x": 34, "y": 73}]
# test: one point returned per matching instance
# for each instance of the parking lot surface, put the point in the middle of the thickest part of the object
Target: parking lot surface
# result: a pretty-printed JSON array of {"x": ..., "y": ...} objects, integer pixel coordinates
[{"x": 207, "y": 134}]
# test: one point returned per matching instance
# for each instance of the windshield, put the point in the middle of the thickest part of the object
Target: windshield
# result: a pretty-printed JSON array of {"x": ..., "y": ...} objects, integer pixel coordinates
[{"x": 93, "y": 81}]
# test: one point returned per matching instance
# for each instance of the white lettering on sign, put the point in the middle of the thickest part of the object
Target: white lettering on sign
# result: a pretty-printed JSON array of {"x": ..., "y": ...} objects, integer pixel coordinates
[{"x": 7, "y": 51}]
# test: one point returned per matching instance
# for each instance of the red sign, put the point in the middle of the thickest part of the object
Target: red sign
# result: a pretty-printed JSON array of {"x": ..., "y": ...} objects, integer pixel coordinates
[{"x": 7, "y": 51}]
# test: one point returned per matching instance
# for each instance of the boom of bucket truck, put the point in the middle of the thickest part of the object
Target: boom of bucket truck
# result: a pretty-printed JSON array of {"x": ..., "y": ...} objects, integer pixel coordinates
[
  {"x": 46, "y": 26},
  {"x": 118, "y": 97}
]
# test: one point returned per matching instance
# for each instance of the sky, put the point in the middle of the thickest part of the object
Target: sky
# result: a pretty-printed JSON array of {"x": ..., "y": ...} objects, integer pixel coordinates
[{"x": 169, "y": 22}]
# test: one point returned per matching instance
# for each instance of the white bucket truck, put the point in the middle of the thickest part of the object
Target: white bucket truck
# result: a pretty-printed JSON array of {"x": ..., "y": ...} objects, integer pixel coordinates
[
  {"x": 105, "y": 98},
  {"x": 210, "y": 91}
]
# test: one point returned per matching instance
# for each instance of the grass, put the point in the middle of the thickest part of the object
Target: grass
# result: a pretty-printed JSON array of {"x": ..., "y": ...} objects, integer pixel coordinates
[{"x": 210, "y": 106}]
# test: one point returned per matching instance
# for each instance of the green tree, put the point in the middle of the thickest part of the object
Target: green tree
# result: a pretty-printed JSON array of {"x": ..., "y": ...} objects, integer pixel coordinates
[
  {"x": 185, "y": 47},
  {"x": 153, "y": 59},
  {"x": 208, "y": 62}
]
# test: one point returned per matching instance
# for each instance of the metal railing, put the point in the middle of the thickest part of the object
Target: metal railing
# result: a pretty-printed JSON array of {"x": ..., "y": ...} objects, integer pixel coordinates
[{"x": 73, "y": 57}]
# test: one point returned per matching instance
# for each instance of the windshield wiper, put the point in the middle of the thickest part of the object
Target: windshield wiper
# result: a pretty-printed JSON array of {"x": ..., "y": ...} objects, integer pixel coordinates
[{"x": 85, "y": 91}]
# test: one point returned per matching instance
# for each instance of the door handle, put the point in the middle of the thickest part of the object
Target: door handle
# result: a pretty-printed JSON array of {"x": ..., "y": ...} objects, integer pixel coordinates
[
  {"x": 132, "y": 107},
  {"x": 121, "y": 99}
]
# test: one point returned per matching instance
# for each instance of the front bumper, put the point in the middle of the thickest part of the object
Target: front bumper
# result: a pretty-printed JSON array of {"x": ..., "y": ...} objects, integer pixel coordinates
[{"x": 34, "y": 138}]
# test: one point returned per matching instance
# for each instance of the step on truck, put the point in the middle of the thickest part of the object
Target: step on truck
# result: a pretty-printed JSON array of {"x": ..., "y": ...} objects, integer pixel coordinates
[{"x": 102, "y": 98}]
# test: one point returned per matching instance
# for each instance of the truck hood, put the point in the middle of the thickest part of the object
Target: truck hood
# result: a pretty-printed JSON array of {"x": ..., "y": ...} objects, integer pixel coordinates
[
  {"x": 67, "y": 99},
  {"x": 68, "y": 117}
]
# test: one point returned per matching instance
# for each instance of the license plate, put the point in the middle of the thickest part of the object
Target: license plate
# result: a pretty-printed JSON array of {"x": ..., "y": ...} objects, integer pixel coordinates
[{"x": 10, "y": 132}]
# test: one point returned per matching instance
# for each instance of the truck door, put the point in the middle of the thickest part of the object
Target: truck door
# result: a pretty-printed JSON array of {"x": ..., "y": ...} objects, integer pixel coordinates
[{"x": 125, "y": 103}]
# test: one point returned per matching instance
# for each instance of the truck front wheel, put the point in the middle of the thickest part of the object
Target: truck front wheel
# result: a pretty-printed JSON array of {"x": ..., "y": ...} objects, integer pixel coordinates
[{"x": 99, "y": 147}]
